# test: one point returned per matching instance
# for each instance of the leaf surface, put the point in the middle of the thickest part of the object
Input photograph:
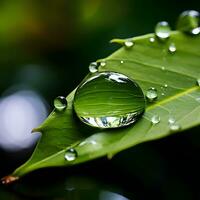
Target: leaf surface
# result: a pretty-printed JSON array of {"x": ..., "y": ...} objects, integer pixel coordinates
[{"x": 150, "y": 64}]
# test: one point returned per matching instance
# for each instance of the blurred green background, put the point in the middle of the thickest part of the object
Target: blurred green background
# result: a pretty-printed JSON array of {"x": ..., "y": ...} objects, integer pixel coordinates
[{"x": 45, "y": 49}]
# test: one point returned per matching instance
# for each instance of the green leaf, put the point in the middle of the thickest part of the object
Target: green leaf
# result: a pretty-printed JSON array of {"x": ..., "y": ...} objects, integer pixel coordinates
[{"x": 150, "y": 64}]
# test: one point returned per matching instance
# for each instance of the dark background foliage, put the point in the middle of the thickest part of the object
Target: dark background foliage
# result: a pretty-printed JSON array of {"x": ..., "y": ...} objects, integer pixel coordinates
[{"x": 45, "y": 48}]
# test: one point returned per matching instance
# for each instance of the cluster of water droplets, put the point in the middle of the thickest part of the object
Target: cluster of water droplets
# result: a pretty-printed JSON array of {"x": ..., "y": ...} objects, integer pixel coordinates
[{"x": 189, "y": 23}]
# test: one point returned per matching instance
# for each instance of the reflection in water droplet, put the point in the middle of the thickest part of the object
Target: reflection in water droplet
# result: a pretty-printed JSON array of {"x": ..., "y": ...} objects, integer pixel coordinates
[
  {"x": 93, "y": 67},
  {"x": 151, "y": 94},
  {"x": 155, "y": 119},
  {"x": 103, "y": 63},
  {"x": 189, "y": 22},
  {"x": 198, "y": 81},
  {"x": 162, "y": 30},
  {"x": 114, "y": 100},
  {"x": 172, "y": 48},
  {"x": 128, "y": 43},
  {"x": 174, "y": 127},
  {"x": 71, "y": 154},
  {"x": 151, "y": 39},
  {"x": 60, "y": 103}
]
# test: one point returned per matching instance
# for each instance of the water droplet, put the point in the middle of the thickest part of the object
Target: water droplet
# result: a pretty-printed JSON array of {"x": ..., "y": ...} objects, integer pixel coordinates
[
  {"x": 71, "y": 154},
  {"x": 121, "y": 61},
  {"x": 103, "y": 63},
  {"x": 172, "y": 48},
  {"x": 165, "y": 85},
  {"x": 162, "y": 93},
  {"x": 155, "y": 119},
  {"x": 171, "y": 120},
  {"x": 189, "y": 22},
  {"x": 151, "y": 39},
  {"x": 151, "y": 94},
  {"x": 174, "y": 127},
  {"x": 128, "y": 43},
  {"x": 93, "y": 67},
  {"x": 163, "y": 68},
  {"x": 162, "y": 30},
  {"x": 198, "y": 81},
  {"x": 109, "y": 100},
  {"x": 60, "y": 103}
]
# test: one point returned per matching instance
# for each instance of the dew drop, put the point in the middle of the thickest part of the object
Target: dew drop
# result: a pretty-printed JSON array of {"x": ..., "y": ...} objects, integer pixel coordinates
[
  {"x": 165, "y": 85},
  {"x": 189, "y": 22},
  {"x": 198, "y": 81},
  {"x": 163, "y": 68},
  {"x": 172, "y": 48},
  {"x": 71, "y": 154},
  {"x": 128, "y": 43},
  {"x": 60, "y": 103},
  {"x": 121, "y": 61},
  {"x": 93, "y": 67},
  {"x": 151, "y": 39},
  {"x": 103, "y": 63},
  {"x": 174, "y": 127},
  {"x": 162, "y": 30},
  {"x": 171, "y": 120},
  {"x": 151, "y": 94},
  {"x": 109, "y": 100},
  {"x": 155, "y": 119}
]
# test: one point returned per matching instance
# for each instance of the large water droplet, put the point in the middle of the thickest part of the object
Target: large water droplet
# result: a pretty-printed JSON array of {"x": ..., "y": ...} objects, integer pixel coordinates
[
  {"x": 60, "y": 103},
  {"x": 172, "y": 48},
  {"x": 189, "y": 22},
  {"x": 151, "y": 94},
  {"x": 162, "y": 30},
  {"x": 198, "y": 81},
  {"x": 109, "y": 100},
  {"x": 128, "y": 43},
  {"x": 93, "y": 67},
  {"x": 155, "y": 119},
  {"x": 71, "y": 154}
]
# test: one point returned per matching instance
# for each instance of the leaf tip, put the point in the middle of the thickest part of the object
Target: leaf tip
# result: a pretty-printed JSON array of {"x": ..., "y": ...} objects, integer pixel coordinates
[{"x": 9, "y": 179}]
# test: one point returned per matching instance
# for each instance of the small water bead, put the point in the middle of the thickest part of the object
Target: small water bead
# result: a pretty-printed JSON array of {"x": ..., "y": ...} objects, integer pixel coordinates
[
  {"x": 103, "y": 63},
  {"x": 155, "y": 119},
  {"x": 151, "y": 39},
  {"x": 121, "y": 61},
  {"x": 128, "y": 43},
  {"x": 152, "y": 94},
  {"x": 93, "y": 67},
  {"x": 198, "y": 81},
  {"x": 171, "y": 120},
  {"x": 165, "y": 85},
  {"x": 71, "y": 154},
  {"x": 162, "y": 30},
  {"x": 189, "y": 22},
  {"x": 60, "y": 103},
  {"x": 174, "y": 127},
  {"x": 172, "y": 48},
  {"x": 163, "y": 68},
  {"x": 119, "y": 101}
]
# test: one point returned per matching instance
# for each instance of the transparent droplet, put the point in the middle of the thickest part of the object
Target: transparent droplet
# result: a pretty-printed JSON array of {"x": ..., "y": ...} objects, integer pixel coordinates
[
  {"x": 155, "y": 119},
  {"x": 162, "y": 93},
  {"x": 162, "y": 30},
  {"x": 109, "y": 100},
  {"x": 151, "y": 39},
  {"x": 60, "y": 103},
  {"x": 103, "y": 63},
  {"x": 71, "y": 154},
  {"x": 93, "y": 67},
  {"x": 121, "y": 61},
  {"x": 151, "y": 94},
  {"x": 189, "y": 22},
  {"x": 198, "y": 81},
  {"x": 165, "y": 85},
  {"x": 171, "y": 120},
  {"x": 174, "y": 127},
  {"x": 172, "y": 48},
  {"x": 163, "y": 68},
  {"x": 128, "y": 43}
]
